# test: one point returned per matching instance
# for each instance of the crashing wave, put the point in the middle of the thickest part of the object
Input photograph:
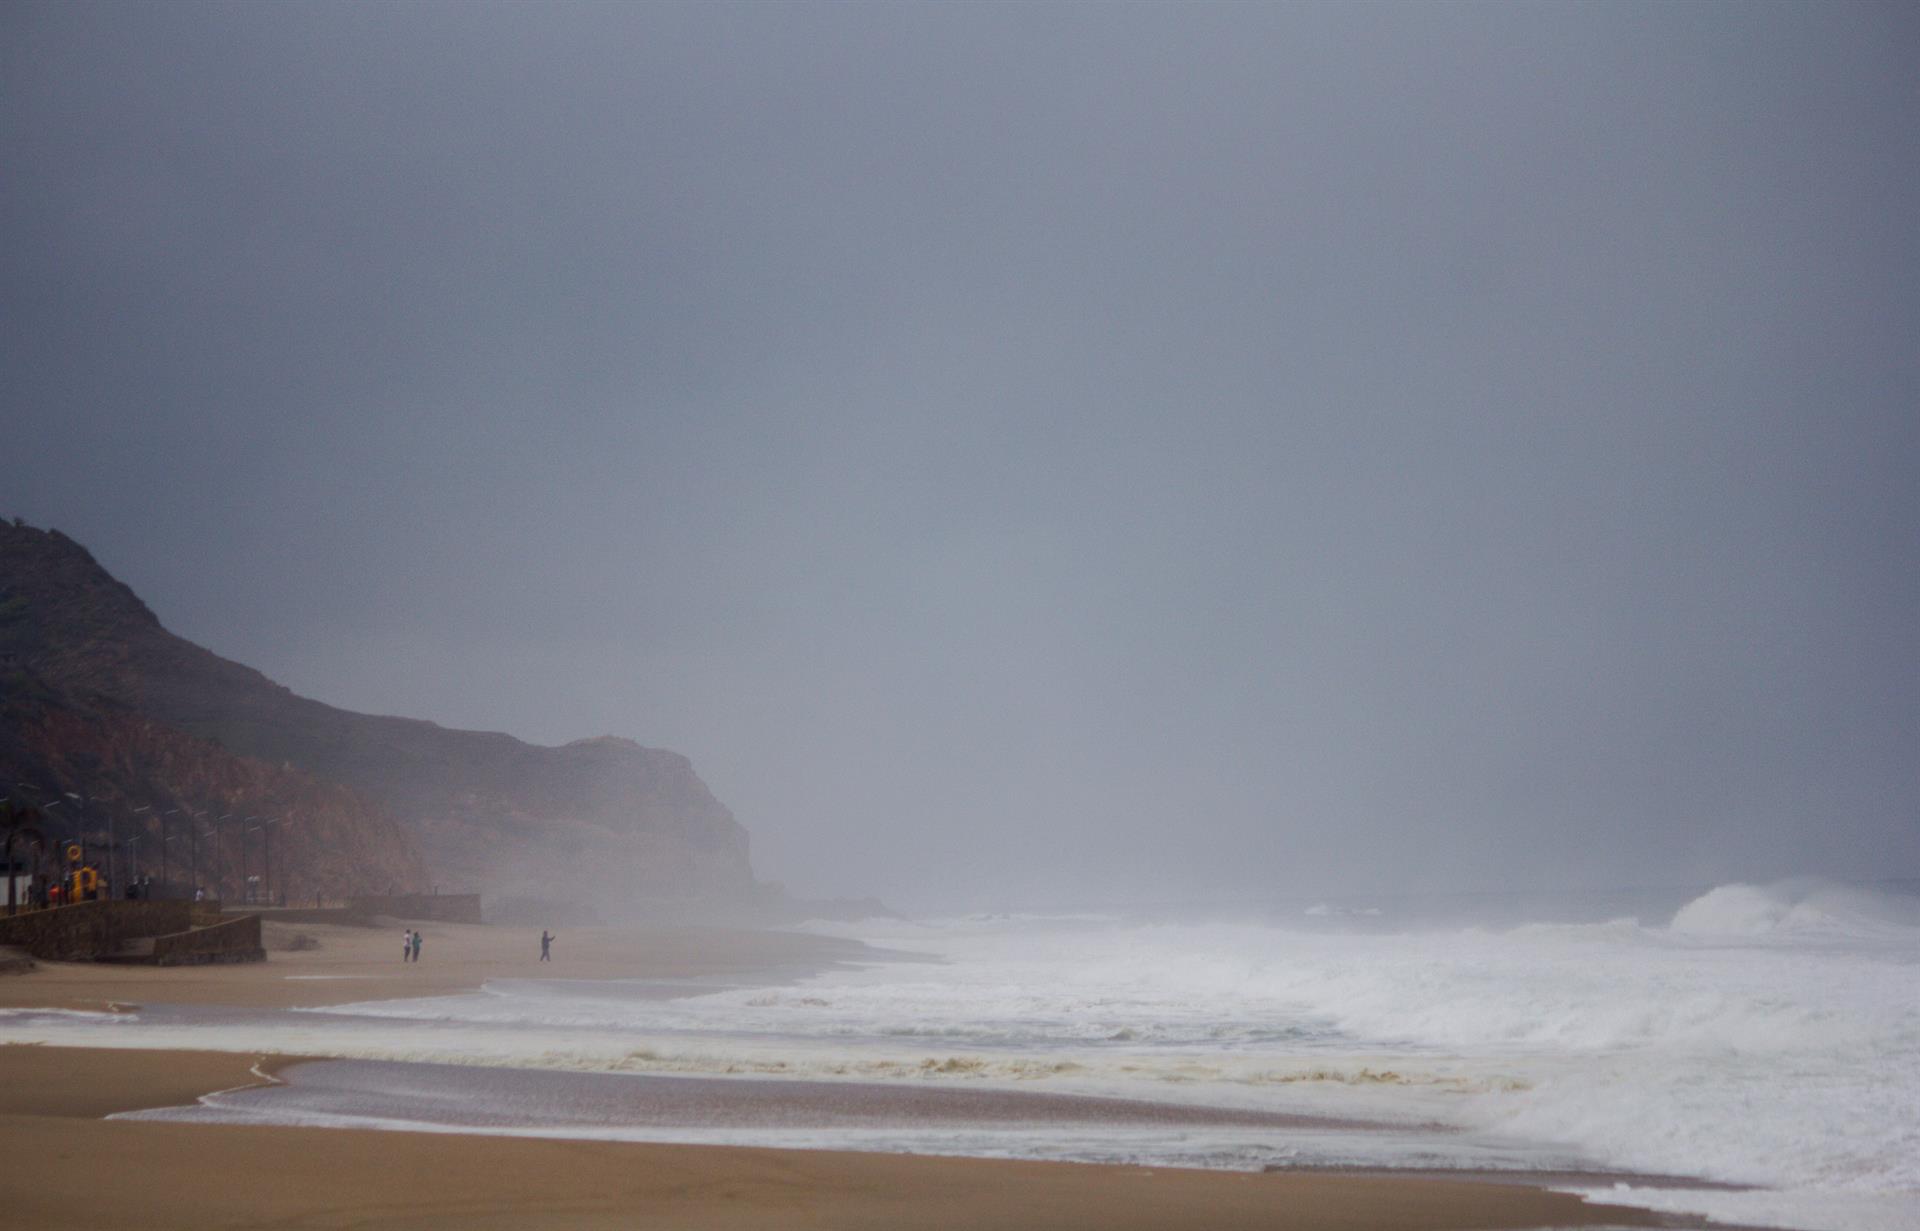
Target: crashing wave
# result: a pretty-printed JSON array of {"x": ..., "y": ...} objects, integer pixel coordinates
[{"x": 1796, "y": 907}]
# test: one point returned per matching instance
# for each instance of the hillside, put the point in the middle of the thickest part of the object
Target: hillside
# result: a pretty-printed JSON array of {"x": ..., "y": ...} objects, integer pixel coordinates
[
  {"x": 332, "y": 843},
  {"x": 605, "y": 817}
]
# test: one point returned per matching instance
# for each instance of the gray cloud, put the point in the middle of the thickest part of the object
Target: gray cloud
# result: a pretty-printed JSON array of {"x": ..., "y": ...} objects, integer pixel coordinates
[{"x": 1025, "y": 450}]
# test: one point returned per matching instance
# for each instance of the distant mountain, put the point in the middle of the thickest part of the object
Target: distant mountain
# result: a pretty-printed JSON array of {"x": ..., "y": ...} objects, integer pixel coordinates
[{"x": 600, "y": 818}]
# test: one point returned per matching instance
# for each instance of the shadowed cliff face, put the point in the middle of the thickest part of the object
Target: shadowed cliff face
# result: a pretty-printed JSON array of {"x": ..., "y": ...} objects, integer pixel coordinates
[
  {"x": 604, "y": 817},
  {"x": 332, "y": 844}
]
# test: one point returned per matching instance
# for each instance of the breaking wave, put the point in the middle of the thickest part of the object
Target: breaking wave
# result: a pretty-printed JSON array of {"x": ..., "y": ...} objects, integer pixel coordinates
[{"x": 1805, "y": 908}]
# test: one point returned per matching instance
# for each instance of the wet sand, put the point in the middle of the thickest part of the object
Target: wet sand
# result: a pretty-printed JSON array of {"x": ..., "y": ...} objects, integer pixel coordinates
[
  {"x": 482, "y": 1096},
  {"x": 207, "y": 1176},
  {"x": 185, "y": 1177}
]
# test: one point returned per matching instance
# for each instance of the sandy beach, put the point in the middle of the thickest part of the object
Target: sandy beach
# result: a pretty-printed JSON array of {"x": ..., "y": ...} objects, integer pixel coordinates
[
  {"x": 346, "y": 964},
  {"x": 209, "y": 1176}
]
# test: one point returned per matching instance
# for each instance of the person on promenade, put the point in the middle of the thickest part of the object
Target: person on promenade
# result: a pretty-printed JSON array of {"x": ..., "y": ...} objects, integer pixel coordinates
[
  {"x": 546, "y": 946},
  {"x": 416, "y": 946},
  {"x": 406, "y": 945}
]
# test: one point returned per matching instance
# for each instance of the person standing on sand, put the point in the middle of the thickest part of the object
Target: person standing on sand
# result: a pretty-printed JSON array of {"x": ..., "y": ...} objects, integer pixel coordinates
[
  {"x": 546, "y": 946},
  {"x": 416, "y": 946},
  {"x": 406, "y": 945}
]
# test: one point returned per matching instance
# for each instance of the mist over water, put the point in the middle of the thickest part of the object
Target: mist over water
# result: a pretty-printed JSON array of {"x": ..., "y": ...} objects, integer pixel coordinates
[{"x": 1025, "y": 455}]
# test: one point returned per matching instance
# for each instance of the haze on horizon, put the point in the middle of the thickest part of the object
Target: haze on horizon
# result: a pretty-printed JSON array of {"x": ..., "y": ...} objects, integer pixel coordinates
[{"x": 1032, "y": 452}]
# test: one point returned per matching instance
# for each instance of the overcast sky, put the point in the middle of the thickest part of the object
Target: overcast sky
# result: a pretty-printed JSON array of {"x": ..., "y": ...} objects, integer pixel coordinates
[{"x": 1025, "y": 451}]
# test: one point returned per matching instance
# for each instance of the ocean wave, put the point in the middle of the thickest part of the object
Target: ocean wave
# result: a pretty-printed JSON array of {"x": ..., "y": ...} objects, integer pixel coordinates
[{"x": 1801, "y": 908}]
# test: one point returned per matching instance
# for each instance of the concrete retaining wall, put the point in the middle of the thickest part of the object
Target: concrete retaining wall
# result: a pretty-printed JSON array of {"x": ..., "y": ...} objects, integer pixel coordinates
[{"x": 83, "y": 931}]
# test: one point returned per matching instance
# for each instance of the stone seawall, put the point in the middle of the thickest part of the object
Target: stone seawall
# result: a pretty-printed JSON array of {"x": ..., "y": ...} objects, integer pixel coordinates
[{"x": 83, "y": 931}]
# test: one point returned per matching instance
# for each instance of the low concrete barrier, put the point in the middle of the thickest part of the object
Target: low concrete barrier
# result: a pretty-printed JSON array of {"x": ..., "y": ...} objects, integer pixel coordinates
[
  {"x": 91, "y": 931},
  {"x": 237, "y": 940}
]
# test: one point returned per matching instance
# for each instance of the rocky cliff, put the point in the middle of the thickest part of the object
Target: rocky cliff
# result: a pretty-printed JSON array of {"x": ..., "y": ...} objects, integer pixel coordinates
[
  {"x": 601, "y": 817},
  {"x": 162, "y": 794}
]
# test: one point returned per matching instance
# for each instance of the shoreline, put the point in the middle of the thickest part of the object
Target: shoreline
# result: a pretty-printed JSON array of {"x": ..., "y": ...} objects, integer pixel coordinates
[
  {"x": 194, "y": 1175},
  {"x": 189, "y": 1176}
]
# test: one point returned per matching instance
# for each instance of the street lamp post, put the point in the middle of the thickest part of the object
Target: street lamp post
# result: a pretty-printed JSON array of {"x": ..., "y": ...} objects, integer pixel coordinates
[
  {"x": 215, "y": 835},
  {"x": 224, "y": 816},
  {"x": 193, "y": 847},
  {"x": 266, "y": 836},
  {"x": 46, "y": 811},
  {"x": 113, "y": 842},
  {"x": 166, "y": 836},
  {"x": 246, "y": 882},
  {"x": 166, "y": 844},
  {"x": 265, "y": 827},
  {"x": 46, "y": 814},
  {"x": 133, "y": 848},
  {"x": 285, "y": 849}
]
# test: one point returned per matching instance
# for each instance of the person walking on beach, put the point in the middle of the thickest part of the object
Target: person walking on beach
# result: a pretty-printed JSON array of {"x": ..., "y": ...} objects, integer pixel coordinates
[
  {"x": 546, "y": 946},
  {"x": 406, "y": 945},
  {"x": 416, "y": 946}
]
